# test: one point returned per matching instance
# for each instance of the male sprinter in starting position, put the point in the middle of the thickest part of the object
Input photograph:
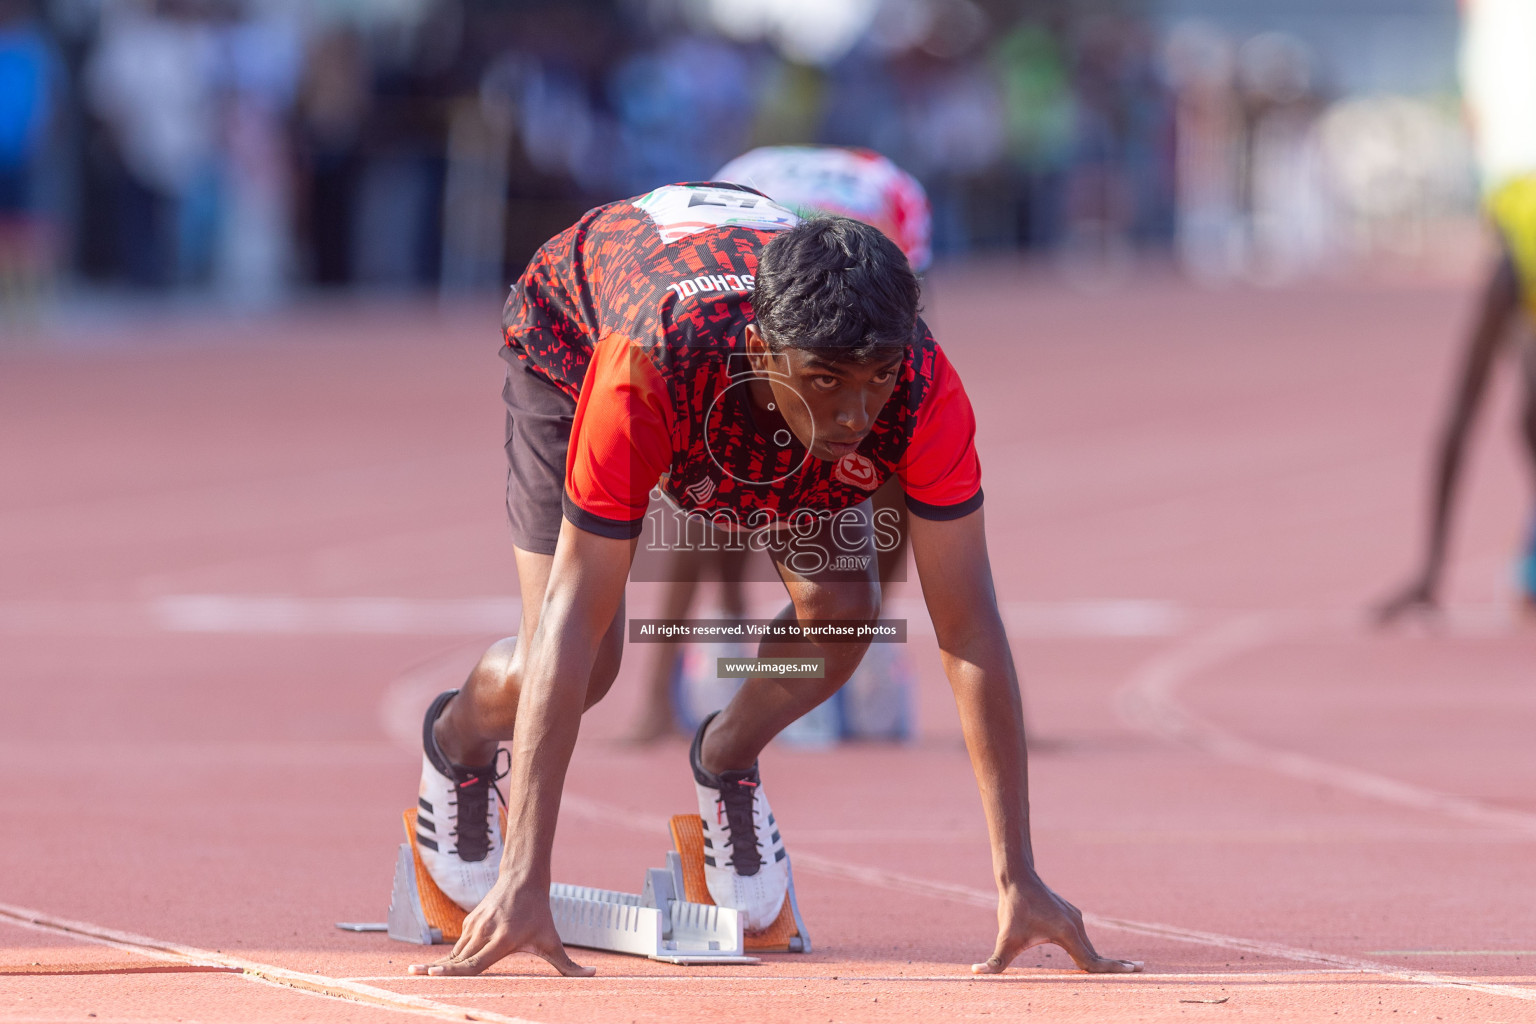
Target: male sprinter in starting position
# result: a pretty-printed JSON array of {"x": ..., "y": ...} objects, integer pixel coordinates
[
  {"x": 769, "y": 374},
  {"x": 810, "y": 181}
]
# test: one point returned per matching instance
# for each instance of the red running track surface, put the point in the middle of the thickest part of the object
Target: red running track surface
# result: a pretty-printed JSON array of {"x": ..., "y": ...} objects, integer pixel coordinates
[{"x": 238, "y": 553}]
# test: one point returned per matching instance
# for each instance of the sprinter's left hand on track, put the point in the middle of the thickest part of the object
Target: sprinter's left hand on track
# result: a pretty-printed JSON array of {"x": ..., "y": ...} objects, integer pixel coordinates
[
  {"x": 509, "y": 920},
  {"x": 1030, "y": 914}
]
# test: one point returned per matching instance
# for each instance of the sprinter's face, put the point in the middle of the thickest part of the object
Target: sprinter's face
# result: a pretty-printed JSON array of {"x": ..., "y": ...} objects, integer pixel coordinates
[{"x": 829, "y": 406}]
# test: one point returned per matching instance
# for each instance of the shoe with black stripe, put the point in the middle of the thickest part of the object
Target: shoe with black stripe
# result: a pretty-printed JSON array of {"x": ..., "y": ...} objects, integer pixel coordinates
[
  {"x": 743, "y": 853},
  {"x": 458, "y": 827}
]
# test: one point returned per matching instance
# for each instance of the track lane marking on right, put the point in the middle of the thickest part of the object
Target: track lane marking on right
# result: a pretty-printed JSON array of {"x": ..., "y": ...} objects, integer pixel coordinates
[
  {"x": 1192, "y": 653},
  {"x": 497, "y": 615},
  {"x": 960, "y": 975},
  {"x": 1148, "y": 701},
  {"x": 893, "y": 881}
]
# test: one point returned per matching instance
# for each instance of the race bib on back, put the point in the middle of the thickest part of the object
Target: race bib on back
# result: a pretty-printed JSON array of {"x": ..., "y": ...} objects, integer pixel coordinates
[{"x": 682, "y": 210}]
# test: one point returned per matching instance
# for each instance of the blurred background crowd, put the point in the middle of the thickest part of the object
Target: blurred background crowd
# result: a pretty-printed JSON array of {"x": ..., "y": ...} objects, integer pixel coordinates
[{"x": 256, "y": 149}]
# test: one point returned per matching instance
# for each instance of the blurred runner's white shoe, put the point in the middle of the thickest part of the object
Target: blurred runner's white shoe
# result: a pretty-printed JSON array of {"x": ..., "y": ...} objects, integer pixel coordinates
[
  {"x": 743, "y": 854},
  {"x": 458, "y": 829}
]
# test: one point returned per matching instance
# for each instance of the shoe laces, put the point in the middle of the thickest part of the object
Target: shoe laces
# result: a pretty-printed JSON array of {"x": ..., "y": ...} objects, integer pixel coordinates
[
  {"x": 472, "y": 818},
  {"x": 733, "y": 808}
]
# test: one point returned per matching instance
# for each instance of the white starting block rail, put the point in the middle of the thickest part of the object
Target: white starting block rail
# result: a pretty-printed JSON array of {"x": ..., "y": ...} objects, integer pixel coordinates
[{"x": 657, "y": 923}]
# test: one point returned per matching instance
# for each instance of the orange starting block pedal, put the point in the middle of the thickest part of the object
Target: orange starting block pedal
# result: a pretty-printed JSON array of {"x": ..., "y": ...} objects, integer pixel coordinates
[
  {"x": 418, "y": 910},
  {"x": 787, "y": 934}
]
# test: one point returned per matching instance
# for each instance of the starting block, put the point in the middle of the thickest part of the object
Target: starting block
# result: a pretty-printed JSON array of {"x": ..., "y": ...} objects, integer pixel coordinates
[
  {"x": 787, "y": 934},
  {"x": 672, "y": 919}
]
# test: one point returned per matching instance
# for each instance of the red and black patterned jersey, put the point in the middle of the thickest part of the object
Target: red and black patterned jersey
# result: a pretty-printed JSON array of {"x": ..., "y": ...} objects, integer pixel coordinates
[{"x": 638, "y": 312}]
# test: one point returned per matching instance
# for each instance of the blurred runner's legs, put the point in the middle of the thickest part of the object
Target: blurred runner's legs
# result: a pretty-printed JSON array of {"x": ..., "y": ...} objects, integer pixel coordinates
[
  {"x": 1509, "y": 284},
  {"x": 659, "y": 718},
  {"x": 1498, "y": 79},
  {"x": 687, "y": 570}
]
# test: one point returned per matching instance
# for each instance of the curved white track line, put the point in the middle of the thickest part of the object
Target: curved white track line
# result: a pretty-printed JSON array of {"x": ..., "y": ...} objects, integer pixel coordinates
[
  {"x": 407, "y": 696},
  {"x": 893, "y": 881},
  {"x": 1148, "y": 700},
  {"x": 250, "y": 970},
  {"x": 1202, "y": 650}
]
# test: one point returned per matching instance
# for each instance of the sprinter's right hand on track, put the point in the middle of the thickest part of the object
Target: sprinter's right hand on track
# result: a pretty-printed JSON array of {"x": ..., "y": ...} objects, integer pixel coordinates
[
  {"x": 509, "y": 920},
  {"x": 1029, "y": 915}
]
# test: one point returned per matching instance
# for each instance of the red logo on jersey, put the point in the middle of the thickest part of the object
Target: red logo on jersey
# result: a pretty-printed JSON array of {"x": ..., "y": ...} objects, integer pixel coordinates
[{"x": 855, "y": 470}]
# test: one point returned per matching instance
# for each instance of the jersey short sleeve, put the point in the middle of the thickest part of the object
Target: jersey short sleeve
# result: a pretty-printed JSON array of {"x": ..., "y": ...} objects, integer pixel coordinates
[
  {"x": 941, "y": 473},
  {"x": 621, "y": 441}
]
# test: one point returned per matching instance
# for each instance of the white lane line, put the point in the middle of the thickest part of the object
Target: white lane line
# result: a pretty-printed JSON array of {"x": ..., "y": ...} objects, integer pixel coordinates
[
  {"x": 283, "y": 614},
  {"x": 265, "y": 614},
  {"x": 250, "y": 970},
  {"x": 1196, "y": 653},
  {"x": 1148, "y": 700},
  {"x": 896, "y": 882},
  {"x": 1453, "y": 952},
  {"x": 53, "y": 1019},
  {"x": 914, "y": 836},
  {"x": 960, "y": 975},
  {"x": 1449, "y": 834},
  {"x": 408, "y": 695},
  {"x": 230, "y": 613},
  {"x": 1105, "y": 618}
]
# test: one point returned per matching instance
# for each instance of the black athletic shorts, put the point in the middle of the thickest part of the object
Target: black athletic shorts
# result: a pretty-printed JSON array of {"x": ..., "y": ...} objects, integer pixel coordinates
[{"x": 539, "y": 419}]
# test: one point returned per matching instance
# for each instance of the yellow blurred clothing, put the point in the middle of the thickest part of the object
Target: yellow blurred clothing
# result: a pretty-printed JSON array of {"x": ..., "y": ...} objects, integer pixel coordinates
[{"x": 1512, "y": 206}]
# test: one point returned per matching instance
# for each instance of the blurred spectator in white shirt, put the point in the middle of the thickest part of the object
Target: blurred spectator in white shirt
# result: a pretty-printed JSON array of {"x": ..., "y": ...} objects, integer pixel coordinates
[{"x": 152, "y": 80}]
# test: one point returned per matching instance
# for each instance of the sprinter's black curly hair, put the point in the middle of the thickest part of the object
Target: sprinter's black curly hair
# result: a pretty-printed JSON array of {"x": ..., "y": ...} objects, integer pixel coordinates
[{"x": 836, "y": 287}]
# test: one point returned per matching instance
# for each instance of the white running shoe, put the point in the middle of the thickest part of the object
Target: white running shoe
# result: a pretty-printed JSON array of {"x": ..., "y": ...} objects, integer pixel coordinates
[
  {"x": 458, "y": 829},
  {"x": 743, "y": 854}
]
